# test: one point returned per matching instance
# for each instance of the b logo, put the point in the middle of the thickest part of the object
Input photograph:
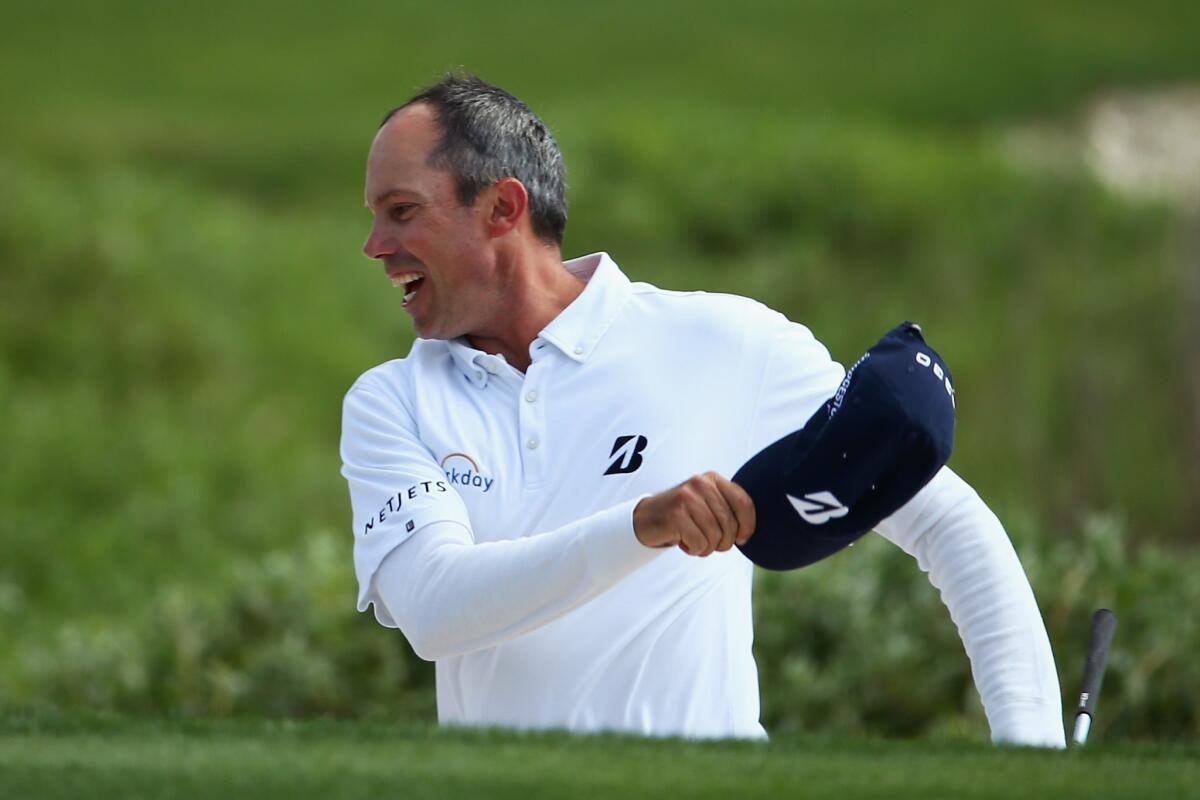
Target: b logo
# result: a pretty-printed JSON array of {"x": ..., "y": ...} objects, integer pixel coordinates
[
  {"x": 818, "y": 508},
  {"x": 630, "y": 458}
]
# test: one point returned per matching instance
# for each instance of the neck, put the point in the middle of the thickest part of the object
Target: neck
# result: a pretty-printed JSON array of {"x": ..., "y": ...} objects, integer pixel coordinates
[{"x": 538, "y": 288}]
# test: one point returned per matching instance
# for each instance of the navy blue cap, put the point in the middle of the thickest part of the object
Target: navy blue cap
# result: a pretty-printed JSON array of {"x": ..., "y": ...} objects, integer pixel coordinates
[{"x": 872, "y": 446}]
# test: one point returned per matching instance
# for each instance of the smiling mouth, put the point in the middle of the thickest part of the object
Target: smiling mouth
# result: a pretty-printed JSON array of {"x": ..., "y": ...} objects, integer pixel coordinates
[{"x": 410, "y": 281}]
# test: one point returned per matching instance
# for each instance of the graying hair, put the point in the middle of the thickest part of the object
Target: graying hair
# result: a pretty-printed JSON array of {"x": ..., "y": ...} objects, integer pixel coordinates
[{"x": 488, "y": 134}]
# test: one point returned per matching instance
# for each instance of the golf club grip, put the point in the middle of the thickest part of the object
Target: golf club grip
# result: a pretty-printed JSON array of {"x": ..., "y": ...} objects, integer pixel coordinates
[{"x": 1104, "y": 625}]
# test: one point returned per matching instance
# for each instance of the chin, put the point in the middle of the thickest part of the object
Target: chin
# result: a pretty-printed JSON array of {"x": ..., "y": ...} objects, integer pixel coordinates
[{"x": 430, "y": 332}]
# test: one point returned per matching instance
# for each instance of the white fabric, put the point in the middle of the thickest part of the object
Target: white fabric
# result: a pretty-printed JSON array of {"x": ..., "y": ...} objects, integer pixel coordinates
[
  {"x": 961, "y": 544},
  {"x": 510, "y": 556},
  {"x": 475, "y": 606}
]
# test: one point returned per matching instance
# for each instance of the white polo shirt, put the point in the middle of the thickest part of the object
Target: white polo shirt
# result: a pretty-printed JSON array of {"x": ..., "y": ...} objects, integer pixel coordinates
[{"x": 493, "y": 514}]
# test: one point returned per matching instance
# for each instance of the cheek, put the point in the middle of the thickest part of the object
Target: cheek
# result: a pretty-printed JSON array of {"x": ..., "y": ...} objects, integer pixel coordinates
[
  {"x": 416, "y": 239},
  {"x": 437, "y": 242}
]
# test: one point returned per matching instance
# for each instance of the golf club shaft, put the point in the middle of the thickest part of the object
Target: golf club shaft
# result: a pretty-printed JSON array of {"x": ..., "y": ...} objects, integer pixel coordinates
[{"x": 1104, "y": 625}]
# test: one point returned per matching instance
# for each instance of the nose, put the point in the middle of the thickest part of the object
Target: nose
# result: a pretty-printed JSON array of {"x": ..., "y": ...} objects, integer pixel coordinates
[{"x": 378, "y": 244}]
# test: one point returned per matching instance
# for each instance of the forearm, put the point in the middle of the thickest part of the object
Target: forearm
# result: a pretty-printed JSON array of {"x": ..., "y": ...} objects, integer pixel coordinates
[
  {"x": 451, "y": 596},
  {"x": 961, "y": 544}
]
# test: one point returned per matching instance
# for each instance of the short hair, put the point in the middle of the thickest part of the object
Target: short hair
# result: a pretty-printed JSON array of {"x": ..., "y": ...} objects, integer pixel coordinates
[{"x": 488, "y": 134}]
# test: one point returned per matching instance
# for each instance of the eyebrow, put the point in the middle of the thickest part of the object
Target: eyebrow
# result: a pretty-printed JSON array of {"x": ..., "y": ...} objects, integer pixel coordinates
[{"x": 379, "y": 199}]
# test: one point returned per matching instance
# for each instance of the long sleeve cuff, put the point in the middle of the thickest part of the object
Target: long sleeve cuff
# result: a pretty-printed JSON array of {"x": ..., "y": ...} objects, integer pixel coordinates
[{"x": 1034, "y": 724}]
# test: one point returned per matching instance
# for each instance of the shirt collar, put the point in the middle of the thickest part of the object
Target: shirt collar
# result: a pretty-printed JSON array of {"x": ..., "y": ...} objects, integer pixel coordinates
[
  {"x": 580, "y": 326},
  {"x": 476, "y": 365},
  {"x": 575, "y": 331}
]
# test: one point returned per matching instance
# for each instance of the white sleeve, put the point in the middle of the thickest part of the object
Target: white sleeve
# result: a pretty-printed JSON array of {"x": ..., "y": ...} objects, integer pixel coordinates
[
  {"x": 798, "y": 377},
  {"x": 451, "y": 596},
  {"x": 957, "y": 539},
  {"x": 396, "y": 485},
  {"x": 446, "y": 593}
]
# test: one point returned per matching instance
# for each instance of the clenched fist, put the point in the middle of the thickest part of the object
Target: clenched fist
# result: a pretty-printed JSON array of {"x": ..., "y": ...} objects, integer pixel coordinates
[{"x": 705, "y": 513}]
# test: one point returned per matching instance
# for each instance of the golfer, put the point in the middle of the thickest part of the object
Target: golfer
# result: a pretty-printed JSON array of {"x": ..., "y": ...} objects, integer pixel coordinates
[{"x": 538, "y": 489}]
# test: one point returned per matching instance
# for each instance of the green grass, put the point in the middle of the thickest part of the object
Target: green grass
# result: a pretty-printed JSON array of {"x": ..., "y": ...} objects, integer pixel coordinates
[{"x": 111, "y": 758}]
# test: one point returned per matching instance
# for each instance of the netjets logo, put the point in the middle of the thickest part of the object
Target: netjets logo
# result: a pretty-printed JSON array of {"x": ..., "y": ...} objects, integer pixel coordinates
[
  {"x": 627, "y": 451},
  {"x": 818, "y": 508}
]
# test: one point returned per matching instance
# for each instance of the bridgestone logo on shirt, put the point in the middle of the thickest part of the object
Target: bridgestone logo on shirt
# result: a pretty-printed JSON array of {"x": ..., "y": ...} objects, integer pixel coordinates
[
  {"x": 630, "y": 449},
  {"x": 397, "y": 501}
]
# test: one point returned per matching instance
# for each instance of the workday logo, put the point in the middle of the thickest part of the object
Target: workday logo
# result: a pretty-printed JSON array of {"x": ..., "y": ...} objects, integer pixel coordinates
[{"x": 461, "y": 470}]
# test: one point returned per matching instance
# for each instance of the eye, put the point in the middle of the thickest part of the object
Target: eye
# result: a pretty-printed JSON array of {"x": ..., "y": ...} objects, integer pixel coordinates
[{"x": 401, "y": 211}]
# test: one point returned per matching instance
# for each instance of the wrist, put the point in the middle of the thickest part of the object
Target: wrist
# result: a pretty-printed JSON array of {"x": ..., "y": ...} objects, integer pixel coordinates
[{"x": 638, "y": 520}]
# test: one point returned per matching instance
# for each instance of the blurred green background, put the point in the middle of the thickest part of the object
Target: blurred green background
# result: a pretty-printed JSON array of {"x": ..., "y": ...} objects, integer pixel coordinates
[{"x": 183, "y": 303}]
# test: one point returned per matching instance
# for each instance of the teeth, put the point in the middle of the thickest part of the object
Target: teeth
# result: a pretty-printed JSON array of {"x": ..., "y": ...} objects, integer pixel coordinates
[{"x": 404, "y": 278}]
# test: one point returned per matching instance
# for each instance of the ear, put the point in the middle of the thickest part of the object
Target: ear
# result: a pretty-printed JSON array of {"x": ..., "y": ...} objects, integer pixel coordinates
[{"x": 509, "y": 202}]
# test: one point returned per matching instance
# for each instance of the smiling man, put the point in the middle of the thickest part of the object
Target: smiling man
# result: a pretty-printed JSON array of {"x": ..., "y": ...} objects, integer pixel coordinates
[{"x": 538, "y": 488}]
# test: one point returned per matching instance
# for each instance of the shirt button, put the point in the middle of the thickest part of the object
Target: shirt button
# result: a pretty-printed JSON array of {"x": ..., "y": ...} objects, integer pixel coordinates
[
  {"x": 532, "y": 444},
  {"x": 578, "y": 351},
  {"x": 530, "y": 396}
]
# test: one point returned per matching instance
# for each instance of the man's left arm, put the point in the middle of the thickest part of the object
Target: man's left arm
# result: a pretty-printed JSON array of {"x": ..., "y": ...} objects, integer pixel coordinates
[
  {"x": 954, "y": 537},
  {"x": 960, "y": 543}
]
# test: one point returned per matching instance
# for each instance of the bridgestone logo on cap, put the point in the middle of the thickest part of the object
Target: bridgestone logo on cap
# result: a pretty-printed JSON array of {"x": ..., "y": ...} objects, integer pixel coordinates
[
  {"x": 840, "y": 395},
  {"x": 818, "y": 508}
]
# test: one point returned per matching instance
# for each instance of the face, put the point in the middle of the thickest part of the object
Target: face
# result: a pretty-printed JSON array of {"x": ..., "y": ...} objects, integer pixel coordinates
[{"x": 433, "y": 248}]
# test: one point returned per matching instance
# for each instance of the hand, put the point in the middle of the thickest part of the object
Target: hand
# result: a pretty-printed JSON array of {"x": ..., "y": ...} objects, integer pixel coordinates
[{"x": 705, "y": 513}]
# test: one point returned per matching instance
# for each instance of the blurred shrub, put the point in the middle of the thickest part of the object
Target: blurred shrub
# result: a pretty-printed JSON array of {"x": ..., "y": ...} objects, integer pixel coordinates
[
  {"x": 860, "y": 643},
  {"x": 171, "y": 384},
  {"x": 863, "y": 643},
  {"x": 282, "y": 639}
]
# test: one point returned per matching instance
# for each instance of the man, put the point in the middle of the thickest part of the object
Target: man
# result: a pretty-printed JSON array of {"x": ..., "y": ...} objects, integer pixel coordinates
[{"x": 538, "y": 491}]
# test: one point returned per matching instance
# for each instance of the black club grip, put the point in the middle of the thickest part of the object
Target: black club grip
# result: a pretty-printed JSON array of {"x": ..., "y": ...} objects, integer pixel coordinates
[{"x": 1104, "y": 625}]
